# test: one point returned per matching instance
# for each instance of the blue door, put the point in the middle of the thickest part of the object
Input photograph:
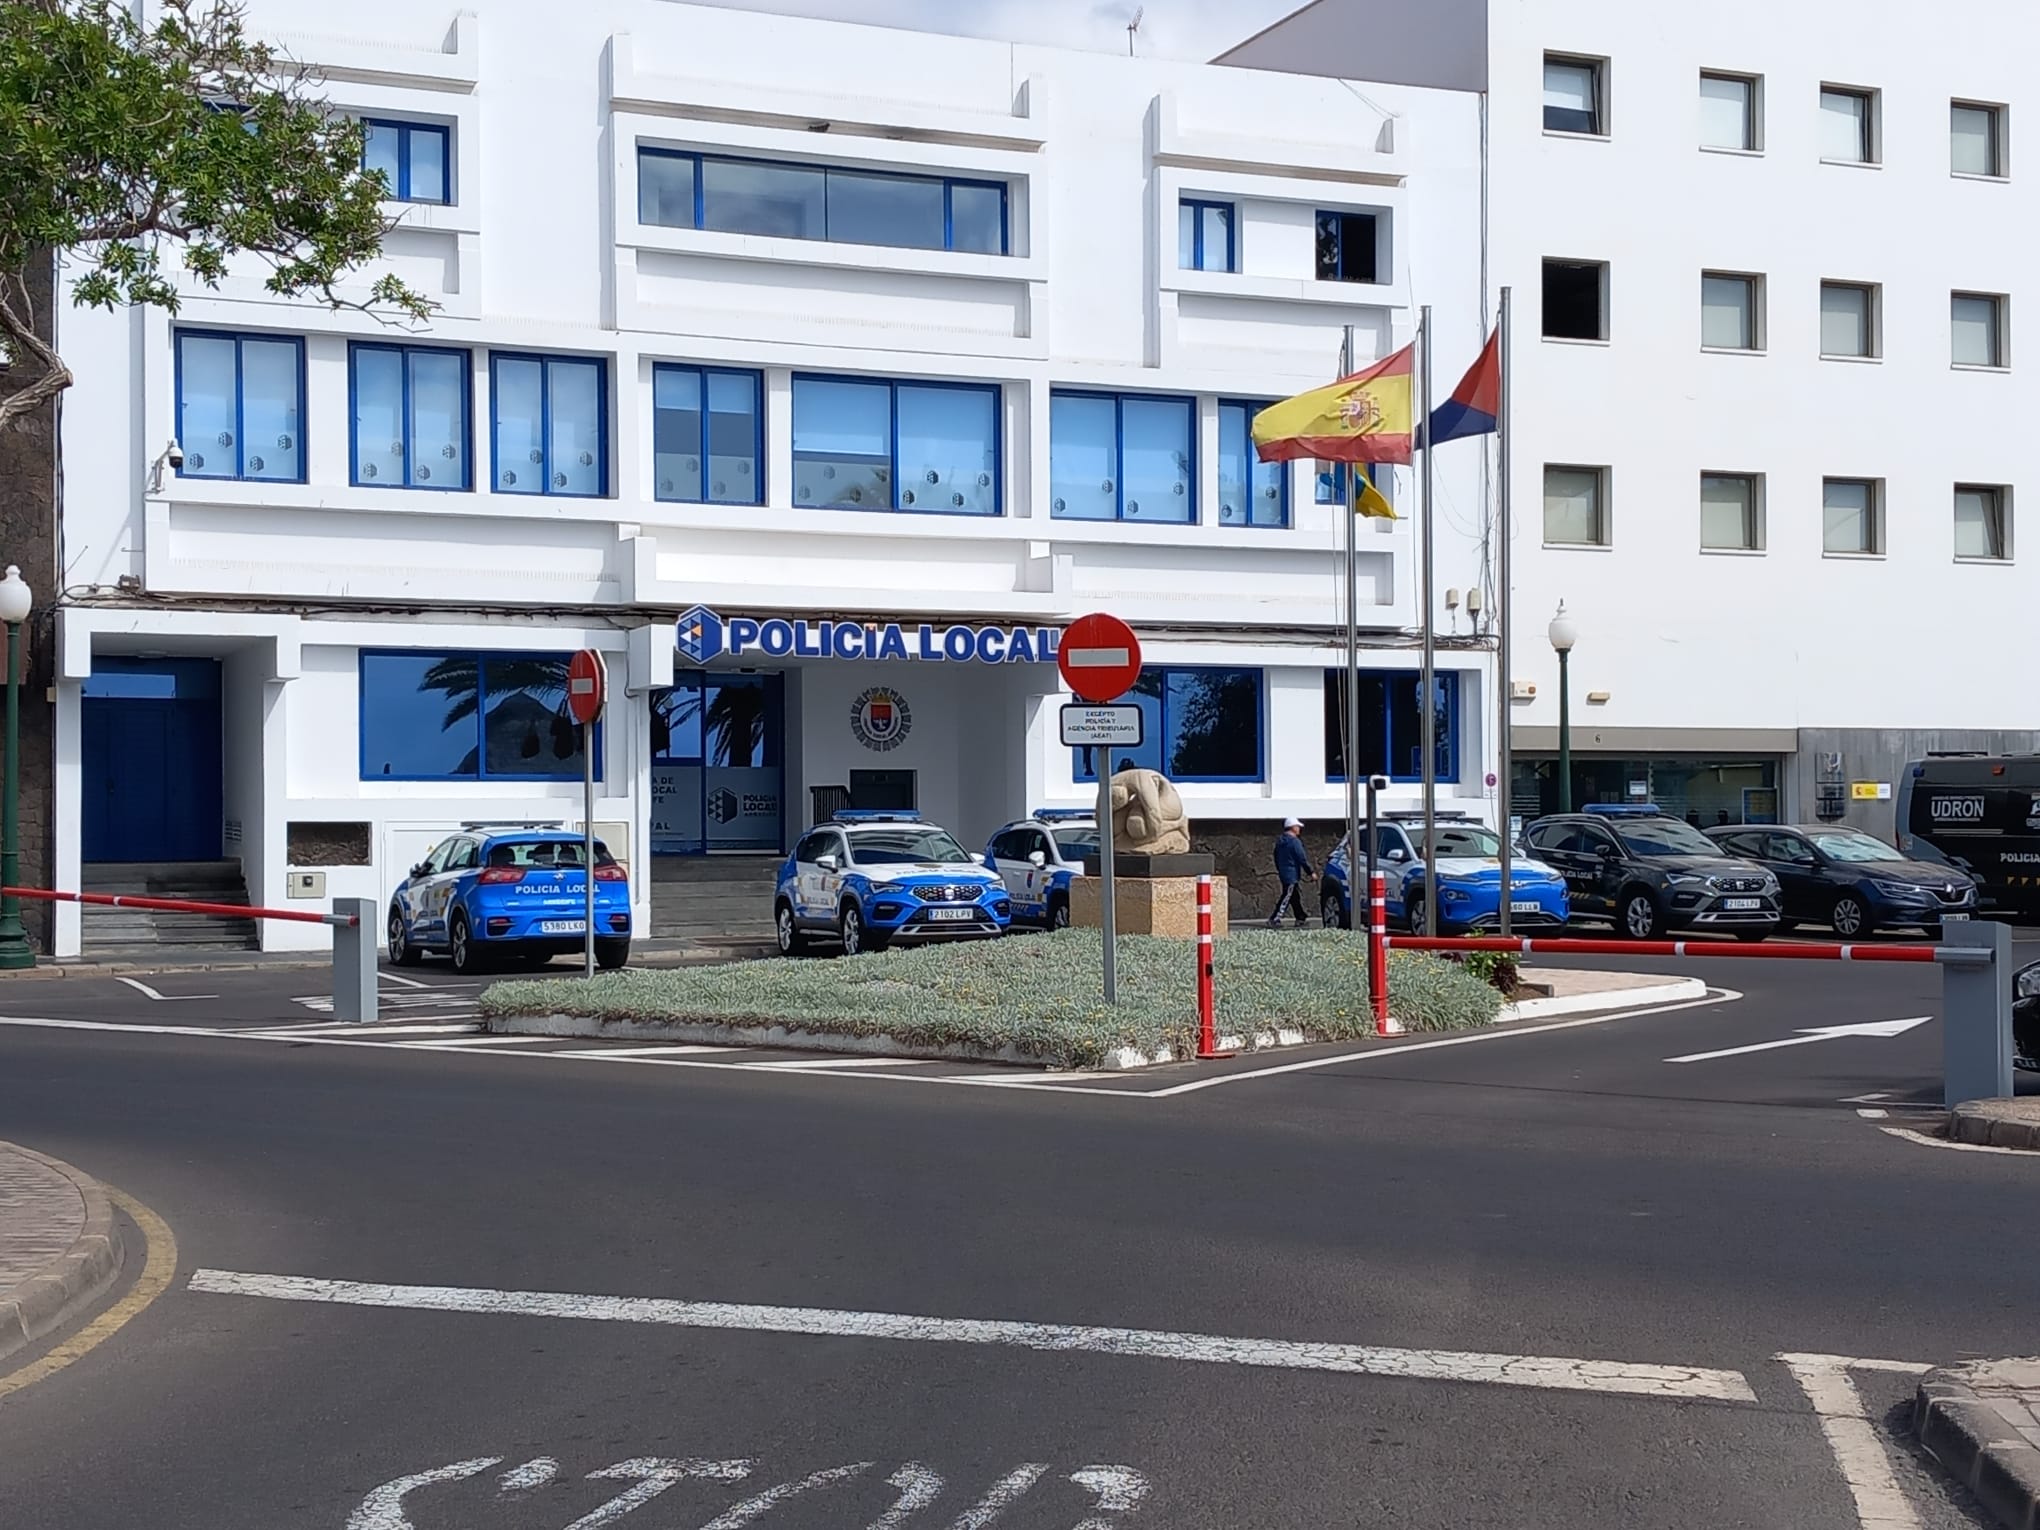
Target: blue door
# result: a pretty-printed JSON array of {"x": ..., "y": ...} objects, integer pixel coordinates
[{"x": 153, "y": 778}]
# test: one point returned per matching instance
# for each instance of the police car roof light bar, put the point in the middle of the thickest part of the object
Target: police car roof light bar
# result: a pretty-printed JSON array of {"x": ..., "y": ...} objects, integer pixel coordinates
[
  {"x": 876, "y": 815},
  {"x": 1063, "y": 815},
  {"x": 501, "y": 823},
  {"x": 1625, "y": 810},
  {"x": 1441, "y": 815}
]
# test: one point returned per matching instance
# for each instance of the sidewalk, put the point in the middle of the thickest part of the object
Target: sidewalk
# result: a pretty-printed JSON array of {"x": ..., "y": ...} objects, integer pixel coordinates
[
  {"x": 58, "y": 1247},
  {"x": 1581, "y": 991},
  {"x": 142, "y": 961},
  {"x": 1982, "y": 1422},
  {"x": 1997, "y": 1123}
]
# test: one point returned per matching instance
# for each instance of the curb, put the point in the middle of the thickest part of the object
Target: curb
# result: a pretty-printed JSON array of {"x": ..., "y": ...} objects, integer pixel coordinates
[
  {"x": 75, "y": 1278},
  {"x": 1606, "y": 998},
  {"x": 1975, "y": 1444},
  {"x": 1978, "y": 1123}
]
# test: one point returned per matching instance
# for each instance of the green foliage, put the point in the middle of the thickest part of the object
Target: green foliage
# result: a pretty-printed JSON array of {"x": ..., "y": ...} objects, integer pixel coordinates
[
  {"x": 1498, "y": 969},
  {"x": 1037, "y": 994}
]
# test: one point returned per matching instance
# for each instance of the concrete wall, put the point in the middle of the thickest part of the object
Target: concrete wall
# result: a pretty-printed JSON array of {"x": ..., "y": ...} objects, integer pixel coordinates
[{"x": 1881, "y": 755}]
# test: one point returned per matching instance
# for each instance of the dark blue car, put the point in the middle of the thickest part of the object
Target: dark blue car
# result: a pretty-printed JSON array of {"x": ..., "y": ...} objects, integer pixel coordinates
[{"x": 493, "y": 894}]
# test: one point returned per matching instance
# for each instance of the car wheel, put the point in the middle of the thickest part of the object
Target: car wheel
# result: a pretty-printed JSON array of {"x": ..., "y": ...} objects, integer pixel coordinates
[
  {"x": 611, "y": 954},
  {"x": 402, "y": 952},
  {"x": 1640, "y": 917},
  {"x": 850, "y": 927},
  {"x": 1848, "y": 918},
  {"x": 1413, "y": 911},
  {"x": 466, "y": 957},
  {"x": 1332, "y": 911},
  {"x": 1059, "y": 914},
  {"x": 791, "y": 941}
]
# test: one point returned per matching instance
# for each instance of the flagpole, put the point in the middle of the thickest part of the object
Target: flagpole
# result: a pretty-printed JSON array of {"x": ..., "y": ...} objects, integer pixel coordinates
[
  {"x": 1504, "y": 758},
  {"x": 1356, "y": 894},
  {"x": 1430, "y": 638}
]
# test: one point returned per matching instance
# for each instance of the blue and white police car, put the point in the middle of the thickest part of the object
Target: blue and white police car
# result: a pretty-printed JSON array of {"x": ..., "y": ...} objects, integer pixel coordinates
[
  {"x": 1038, "y": 856},
  {"x": 867, "y": 878},
  {"x": 509, "y": 892},
  {"x": 1469, "y": 879}
]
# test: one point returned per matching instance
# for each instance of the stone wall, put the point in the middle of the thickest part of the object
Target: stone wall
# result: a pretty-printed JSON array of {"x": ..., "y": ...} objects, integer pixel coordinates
[{"x": 1245, "y": 851}]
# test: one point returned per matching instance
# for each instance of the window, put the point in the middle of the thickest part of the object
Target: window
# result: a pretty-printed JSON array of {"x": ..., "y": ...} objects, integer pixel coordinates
[
  {"x": 411, "y": 416},
  {"x": 708, "y": 444},
  {"x": 1575, "y": 506},
  {"x": 1204, "y": 237},
  {"x": 1731, "y": 512},
  {"x": 1346, "y": 247},
  {"x": 240, "y": 406},
  {"x": 1121, "y": 457},
  {"x": 1976, "y": 139},
  {"x": 1575, "y": 300},
  {"x": 1850, "y": 516},
  {"x": 1730, "y": 312},
  {"x": 1250, "y": 492},
  {"x": 1848, "y": 126},
  {"x": 1392, "y": 724},
  {"x": 1848, "y": 320},
  {"x": 1982, "y": 522},
  {"x": 794, "y": 201},
  {"x": 414, "y": 159},
  {"x": 429, "y": 716},
  {"x": 1978, "y": 320},
  {"x": 1728, "y": 112},
  {"x": 931, "y": 447},
  {"x": 1200, "y": 725},
  {"x": 1573, "y": 95},
  {"x": 1334, "y": 488},
  {"x": 551, "y": 425}
]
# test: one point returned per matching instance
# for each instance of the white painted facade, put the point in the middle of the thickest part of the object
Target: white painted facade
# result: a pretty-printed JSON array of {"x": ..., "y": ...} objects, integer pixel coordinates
[{"x": 541, "y": 251}]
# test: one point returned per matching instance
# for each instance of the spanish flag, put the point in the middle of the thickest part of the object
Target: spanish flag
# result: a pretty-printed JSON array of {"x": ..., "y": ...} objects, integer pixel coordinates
[{"x": 1363, "y": 418}]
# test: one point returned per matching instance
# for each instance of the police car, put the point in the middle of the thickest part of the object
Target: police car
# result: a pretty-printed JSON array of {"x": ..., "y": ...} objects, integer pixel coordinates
[
  {"x": 865, "y": 879},
  {"x": 509, "y": 892},
  {"x": 1469, "y": 879},
  {"x": 1037, "y": 857}
]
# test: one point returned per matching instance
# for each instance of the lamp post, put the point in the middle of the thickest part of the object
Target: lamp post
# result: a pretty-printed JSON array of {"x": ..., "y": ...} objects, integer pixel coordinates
[
  {"x": 15, "y": 952},
  {"x": 1563, "y": 634}
]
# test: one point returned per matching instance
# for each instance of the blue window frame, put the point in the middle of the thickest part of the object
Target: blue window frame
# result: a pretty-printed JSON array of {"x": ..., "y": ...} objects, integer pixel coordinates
[
  {"x": 464, "y": 716},
  {"x": 867, "y": 444},
  {"x": 1205, "y": 238},
  {"x": 549, "y": 424},
  {"x": 708, "y": 436},
  {"x": 415, "y": 158},
  {"x": 1124, "y": 457},
  {"x": 1200, "y": 724},
  {"x": 413, "y": 416},
  {"x": 785, "y": 200},
  {"x": 240, "y": 406},
  {"x": 1392, "y": 724},
  {"x": 1250, "y": 492}
]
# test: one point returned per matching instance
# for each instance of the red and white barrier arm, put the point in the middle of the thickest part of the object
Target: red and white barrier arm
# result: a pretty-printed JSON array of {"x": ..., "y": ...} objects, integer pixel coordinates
[
  {"x": 182, "y": 906},
  {"x": 1812, "y": 951}
]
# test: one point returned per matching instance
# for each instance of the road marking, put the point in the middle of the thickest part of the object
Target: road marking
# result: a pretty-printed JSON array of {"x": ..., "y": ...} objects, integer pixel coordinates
[
  {"x": 1009, "y": 1487},
  {"x": 401, "y": 1028},
  {"x": 401, "y": 982},
  {"x": 1885, "y": 1028},
  {"x": 801, "y": 1064},
  {"x": 754, "y": 1508},
  {"x": 1858, "y": 1452},
  {"x": 158, "y": 1268},
  {"x": 918, "y": 1487},
  {"x": 1909, "y": 1135},
  {"x": 1873, "y": 1115},
  {"x": 472, "y": 1042},
  {"x": 1867, "y": 1099},
  {"x": 1547, "y": 1372},
  {"x": 163, "y": 998},
  {"x": 535, "y": 1473},
  {"x": 666, "y": 1051},
  {"x": 384, "y": 1508}
]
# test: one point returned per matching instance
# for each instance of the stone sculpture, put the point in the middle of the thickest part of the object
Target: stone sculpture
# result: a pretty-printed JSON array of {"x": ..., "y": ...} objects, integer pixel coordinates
[{"x": 1147, "y": 815}]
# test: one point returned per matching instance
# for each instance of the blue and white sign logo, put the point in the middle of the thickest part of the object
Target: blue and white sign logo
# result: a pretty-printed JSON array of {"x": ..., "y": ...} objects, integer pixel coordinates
[{"x": 701, "y": 636}]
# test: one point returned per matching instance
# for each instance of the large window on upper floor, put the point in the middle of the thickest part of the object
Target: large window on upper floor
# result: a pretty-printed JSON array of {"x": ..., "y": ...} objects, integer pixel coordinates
[
  {"x": 465, "y": 716},
  {"x": 708, "y": 436},
  {"x": 550, "y": 425},
  {"x": 1392, "y": 724},
  {"x": 788, "y": 200},
  {"x": 1250, "y": 492},
  {"x": 1201, "y": 724},
  {"x": 240, "y": 406},
  {"x": 415, "y": 158},
  {"x": 1207, "y": 236},
  {"x": 1122, "y": 457},
  {"x": 412, "y": 423},
  {"x": 873, "y": 445}
]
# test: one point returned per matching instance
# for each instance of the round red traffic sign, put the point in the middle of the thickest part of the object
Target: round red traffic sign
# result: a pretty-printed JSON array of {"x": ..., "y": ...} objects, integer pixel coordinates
[
  {"x": 1099, "y": 657},
  {"x": 587, "y": 685}
]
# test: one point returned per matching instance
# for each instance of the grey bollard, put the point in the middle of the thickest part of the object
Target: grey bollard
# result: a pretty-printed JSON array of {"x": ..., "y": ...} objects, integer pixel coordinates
[
  {"x": 356, "y": 949},
  {"x": 1976, "y": 1014}
]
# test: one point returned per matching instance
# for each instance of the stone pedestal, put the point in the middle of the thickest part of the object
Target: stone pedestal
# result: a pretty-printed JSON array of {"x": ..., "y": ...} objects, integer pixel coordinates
[{"x": 1164, "y": 906}]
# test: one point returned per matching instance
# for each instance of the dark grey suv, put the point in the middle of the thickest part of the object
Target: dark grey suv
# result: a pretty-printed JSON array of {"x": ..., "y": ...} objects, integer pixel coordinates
[{"x": 1649, "y": 874}]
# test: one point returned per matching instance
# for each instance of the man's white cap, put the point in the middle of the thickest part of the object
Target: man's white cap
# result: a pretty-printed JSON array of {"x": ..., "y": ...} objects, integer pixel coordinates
[{"x": 1292, "y": 823}]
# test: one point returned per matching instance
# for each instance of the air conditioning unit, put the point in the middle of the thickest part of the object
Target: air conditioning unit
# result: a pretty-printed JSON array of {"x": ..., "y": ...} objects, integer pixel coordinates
[{"x": 1522, "y": 690}]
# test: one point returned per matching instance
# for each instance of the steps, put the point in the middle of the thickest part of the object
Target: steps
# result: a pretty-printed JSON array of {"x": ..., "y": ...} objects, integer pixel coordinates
[
  {"x": 713, "y": 898},
  {"x": 108, "y": 929}
]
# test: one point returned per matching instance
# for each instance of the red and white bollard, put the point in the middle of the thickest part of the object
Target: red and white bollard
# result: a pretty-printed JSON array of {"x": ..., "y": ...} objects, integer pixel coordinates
[
  {"x": 1207, "y": 997},
  {"x": 1377, "y": 938}
]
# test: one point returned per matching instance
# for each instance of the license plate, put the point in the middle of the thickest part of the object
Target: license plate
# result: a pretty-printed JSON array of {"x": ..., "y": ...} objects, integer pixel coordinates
[
  {"x": 1741, "y": 903},
  {"x": 952, "y": 913},
  {"x": 1953, "y": 918},
  {"x": 563, "y": 927},
  {"x": 1525, "y": 906}
]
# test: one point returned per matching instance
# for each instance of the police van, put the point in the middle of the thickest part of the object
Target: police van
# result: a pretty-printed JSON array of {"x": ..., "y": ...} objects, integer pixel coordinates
[{"x": 1981, "y": 814}]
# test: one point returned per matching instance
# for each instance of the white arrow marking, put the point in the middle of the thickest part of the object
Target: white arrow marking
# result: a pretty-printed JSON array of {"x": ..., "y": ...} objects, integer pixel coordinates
[
  {"x": 164, "y": 998},
  {"x": 1805, "y": 1038}
]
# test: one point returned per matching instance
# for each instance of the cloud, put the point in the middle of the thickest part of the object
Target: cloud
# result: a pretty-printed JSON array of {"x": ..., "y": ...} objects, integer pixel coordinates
[{"x": 1182, "y": 29}]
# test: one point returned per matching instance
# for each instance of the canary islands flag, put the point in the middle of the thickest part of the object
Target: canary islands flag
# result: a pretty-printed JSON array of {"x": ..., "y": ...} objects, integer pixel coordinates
[
  {"x": 1367, "y": 499},
  {"x": 1363, "y": 418}
]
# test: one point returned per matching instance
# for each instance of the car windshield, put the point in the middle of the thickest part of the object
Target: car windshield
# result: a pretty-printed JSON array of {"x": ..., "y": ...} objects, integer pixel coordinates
[
  {"x": 1665, "y": 836},
  {"x": 1077, "y": 842},
  {"x": 1465, "y": 839},
  {"x": 1849, "y": 845},
  {"x": 547, "y": 852},
  {"x": 906, "y": 842}
]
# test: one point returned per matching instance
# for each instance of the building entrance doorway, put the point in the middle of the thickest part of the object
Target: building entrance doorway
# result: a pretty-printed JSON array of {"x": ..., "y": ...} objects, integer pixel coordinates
[{"x": 718, "y": 765}]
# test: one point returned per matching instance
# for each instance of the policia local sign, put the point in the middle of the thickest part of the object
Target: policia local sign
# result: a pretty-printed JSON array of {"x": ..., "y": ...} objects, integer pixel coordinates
[{"x": 703, "y": 637}]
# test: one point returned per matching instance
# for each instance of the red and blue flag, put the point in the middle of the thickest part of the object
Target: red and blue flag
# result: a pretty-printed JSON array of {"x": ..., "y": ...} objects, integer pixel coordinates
[{"x": 1474, "y": 403}]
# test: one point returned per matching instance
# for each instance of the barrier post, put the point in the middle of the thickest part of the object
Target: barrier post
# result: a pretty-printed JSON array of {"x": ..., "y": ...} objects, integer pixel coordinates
[
  {"x": 1377, "y": 950},
  {"x": 1207, "y": 996},
  {"x": 356, "y": 946},
  {"x": 1976, "y": 1015}
]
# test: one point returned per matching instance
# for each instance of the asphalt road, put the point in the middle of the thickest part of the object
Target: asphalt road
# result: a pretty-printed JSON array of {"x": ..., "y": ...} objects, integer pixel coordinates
[{"x": 1372, "y": 1230}]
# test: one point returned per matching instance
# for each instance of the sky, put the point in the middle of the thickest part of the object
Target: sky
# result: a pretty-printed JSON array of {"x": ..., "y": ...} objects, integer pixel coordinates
[{"x": 1182, "y": 29}]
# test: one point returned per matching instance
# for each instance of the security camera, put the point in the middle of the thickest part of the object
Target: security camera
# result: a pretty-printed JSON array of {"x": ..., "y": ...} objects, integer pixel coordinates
[
  {"x": 1378, "y": 783},
  {"x": 174, "y": 455}
]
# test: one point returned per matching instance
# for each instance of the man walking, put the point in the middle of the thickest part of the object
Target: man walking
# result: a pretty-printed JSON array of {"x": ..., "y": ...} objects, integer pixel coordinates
[{"x": 1292, "y": 865}]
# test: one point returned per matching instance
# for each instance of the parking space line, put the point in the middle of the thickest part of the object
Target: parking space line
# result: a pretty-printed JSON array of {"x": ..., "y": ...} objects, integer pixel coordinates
[{"x": 1859, "y": 1454}]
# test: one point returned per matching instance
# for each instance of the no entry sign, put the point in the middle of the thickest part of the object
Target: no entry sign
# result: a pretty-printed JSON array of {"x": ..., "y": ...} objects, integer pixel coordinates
[
  {"x": 1099, "y": 657},
  {"x": 587, "y": 686}
]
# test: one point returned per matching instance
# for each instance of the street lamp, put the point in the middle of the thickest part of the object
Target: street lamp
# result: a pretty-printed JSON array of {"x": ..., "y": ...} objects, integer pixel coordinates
[
  {"x": 1563, "y": 634},
  {"x": 15, "y": 951}
]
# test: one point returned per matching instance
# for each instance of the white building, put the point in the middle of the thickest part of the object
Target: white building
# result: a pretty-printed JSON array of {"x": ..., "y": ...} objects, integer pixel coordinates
[
  {"x": 978, "y": 328},
  {"x": 1770, "y": 442}
]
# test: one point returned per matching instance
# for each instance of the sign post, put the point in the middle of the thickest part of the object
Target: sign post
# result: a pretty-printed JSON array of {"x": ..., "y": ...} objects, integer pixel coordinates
[
  {"x": 587, "y": 692},
  {"x": 1100, "y": 659}
]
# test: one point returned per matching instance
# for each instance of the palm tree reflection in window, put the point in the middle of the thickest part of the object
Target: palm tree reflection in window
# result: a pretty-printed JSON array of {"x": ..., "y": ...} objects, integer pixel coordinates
[
  {"x": 526, "y": 730},
  {"x": 729, "y": 715}
]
